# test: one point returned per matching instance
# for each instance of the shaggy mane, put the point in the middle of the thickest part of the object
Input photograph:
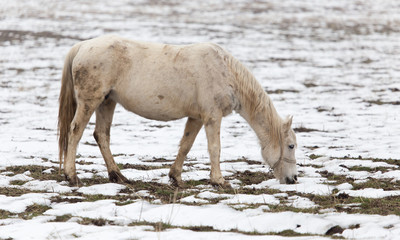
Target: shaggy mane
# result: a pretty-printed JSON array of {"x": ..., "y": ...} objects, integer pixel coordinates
[{"x": 254, "y": 99}]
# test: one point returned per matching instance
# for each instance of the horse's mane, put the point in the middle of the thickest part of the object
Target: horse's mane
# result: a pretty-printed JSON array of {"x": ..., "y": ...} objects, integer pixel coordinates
[{"x": 253, "y": 98}]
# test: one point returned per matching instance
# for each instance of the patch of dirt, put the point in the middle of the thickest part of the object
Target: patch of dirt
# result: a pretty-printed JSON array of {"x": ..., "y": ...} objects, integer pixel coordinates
[
  {"x": 385, "y": 184},
  {"x": 325, "y": 109},
  {"x": 160, "y": 126},
  {"x": 334, "y": 230},
  {"x": 37, "y": 172},
  {"x": 380, "y": 102},
  {"x": 94, "y": 180},
  {"x": 159, "y": 160},
  {"x": 60, "y": 199},
  {"x": 14, "y": 192},
  {"x": 246, "y": 160},
  {"x": 306, "y": 130},
  {"x": 33, "y": 211},
  {"x": 310, "y": 85},
  {"x": 312, "y": 147},
  {"x": 141, "y": 167},
  {"x": 249, "y": 178},
  {"x": 97, "y": 222},
  {"x": 62, "y": 218},
  {"x": 5, "y": 214},
  {"x": 280, "y": 91}
]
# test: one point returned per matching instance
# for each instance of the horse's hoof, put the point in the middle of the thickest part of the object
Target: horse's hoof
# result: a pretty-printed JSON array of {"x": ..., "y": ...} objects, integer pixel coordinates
[
  {"x": 176, "y": 183},
  {"x": 117, "y": 177},
  {"x": 74, "y": 181},
  {"x": 224, "y": 185}
]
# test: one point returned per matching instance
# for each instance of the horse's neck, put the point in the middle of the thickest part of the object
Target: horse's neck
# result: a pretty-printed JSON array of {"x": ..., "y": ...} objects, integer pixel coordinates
[
  {"x": 265, "y": 123},
  {"x": 256, "y": 106}
]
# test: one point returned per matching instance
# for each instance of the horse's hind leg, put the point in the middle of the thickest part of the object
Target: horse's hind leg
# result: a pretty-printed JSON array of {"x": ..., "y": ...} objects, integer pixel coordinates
[
  {"x": 104, "y": 115},
  {"x": 192, "y": 128},
  {"x": 82, "y": 116}
]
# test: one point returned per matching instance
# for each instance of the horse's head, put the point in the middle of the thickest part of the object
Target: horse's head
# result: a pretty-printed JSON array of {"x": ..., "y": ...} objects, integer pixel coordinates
[{"x": 281, "y": 155}]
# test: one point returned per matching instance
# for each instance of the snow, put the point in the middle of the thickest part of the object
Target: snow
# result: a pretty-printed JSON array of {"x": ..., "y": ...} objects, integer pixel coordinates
[
  {"x": 211, "y": 195},
  {"x": 371, "y": 226},
  {"x": 371, "y": 193},
  {"x": 109, "y": 189},
  {"x": 72, "y": 230},
  {"x": 344, "y": 186},
  {"x": 311, "y": 185},
  {"x": 48, "y": 186},
  {"x": 300, "y": 202},
  {"x": 394, "y": 175},
  {"x": 19, "y": 204},
  {"x": 5, "y": 180},
  {"x": 223, "y": 218},
  {"x": 340, "y": 167},
  {"x": 193, "y": 199},
  {"x": 251, "y": 199},
  {"x": 331, "y": 64}
]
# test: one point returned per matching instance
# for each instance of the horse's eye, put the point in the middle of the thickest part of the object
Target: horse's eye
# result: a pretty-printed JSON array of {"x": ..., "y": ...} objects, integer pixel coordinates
[{"x": 291, "y": 146}]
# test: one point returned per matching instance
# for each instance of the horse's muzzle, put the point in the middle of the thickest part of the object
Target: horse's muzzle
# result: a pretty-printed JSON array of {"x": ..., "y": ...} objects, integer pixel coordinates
[{"x": 292, "y": 180}]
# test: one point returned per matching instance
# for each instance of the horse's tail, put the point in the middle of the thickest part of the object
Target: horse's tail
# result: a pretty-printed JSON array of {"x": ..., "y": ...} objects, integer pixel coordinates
[{"x": 67, "y": 108}]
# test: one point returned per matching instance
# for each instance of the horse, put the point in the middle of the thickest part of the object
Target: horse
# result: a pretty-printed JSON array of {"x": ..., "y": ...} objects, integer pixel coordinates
[{"x": 201, "y": 81}]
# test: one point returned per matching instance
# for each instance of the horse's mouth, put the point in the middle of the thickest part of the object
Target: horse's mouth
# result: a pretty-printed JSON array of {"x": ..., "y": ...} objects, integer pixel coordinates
[{"x": 292, "y": 180}]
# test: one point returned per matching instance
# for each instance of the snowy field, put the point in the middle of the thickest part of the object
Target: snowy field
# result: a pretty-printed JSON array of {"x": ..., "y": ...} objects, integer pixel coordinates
[{"x": 334, "y": 65}]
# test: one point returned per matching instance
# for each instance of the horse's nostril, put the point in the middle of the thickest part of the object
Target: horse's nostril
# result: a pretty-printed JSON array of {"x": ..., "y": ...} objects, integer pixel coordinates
[
  {"x": 290, "y": 180},
  {"x": 295, "y": 178}
]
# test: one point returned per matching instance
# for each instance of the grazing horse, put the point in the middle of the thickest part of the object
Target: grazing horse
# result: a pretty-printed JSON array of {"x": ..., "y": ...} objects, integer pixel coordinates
[{"x": 202, "y": 82}]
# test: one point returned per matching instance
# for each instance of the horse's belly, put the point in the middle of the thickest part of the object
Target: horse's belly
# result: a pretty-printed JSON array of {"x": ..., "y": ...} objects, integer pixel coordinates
[
  {"x": 156, "y": 113},
  {"x": 155, "y": 108}
]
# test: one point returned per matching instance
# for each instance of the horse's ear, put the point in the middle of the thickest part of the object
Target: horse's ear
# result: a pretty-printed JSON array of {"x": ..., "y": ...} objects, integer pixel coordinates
[{"x": 288, "y": 123}]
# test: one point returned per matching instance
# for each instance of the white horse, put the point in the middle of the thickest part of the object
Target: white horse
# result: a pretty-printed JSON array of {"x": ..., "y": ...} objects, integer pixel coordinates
[{"x": 202, "y": 82}]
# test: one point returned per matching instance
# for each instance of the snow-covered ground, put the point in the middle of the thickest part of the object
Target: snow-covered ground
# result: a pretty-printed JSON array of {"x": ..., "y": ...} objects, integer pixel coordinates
[{"x": 334, "y": 65}]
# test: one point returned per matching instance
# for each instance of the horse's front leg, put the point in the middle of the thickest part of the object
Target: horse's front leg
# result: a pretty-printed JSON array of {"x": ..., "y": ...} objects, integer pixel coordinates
[
  {"x": 192, "y": 128},
  {"x": 213, "y": 127}
]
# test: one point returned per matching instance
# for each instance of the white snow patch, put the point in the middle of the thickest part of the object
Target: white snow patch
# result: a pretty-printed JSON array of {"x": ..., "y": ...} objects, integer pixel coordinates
[
  {"x": 300, "y": 202},
  {"x": 48, "y": 185},
  {"x": 281, "y": 195},
  {"x": 304, "y": 185},
  {"x": 340, "y": 167},
  {"x": 223, "y": 217},
  {"x": 5, "y": 180},
  {"x": 109, "y": 189},
  {"x": 251, "y": 199},
  {"x": 371, "y": 193},
  {"x": 193, "y": 199},
  {"x": 394, "y": 175},
  {"x": 212, "y": 195},
  {"x": 48, "y": 171},
  {"x": 145, "y": 175},
  {"x": 73, "y": 230},
  {"x": 19, "y": 204},
  {"x": 344, "y": 186}
]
